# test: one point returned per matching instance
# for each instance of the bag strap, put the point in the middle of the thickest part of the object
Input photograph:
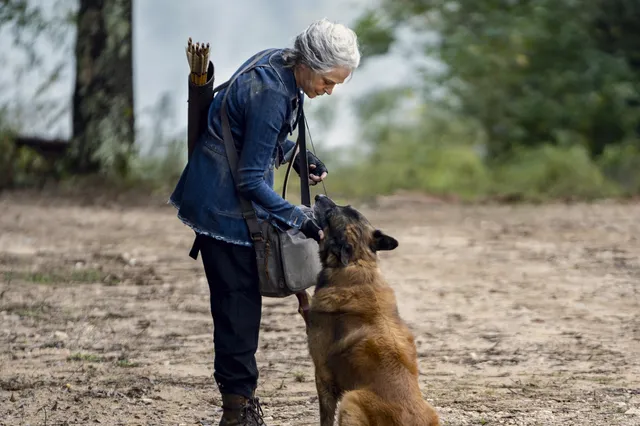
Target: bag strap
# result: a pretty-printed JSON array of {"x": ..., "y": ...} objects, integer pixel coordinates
[
  {"x": 301, "y": 142},
  {"x": 305, "y": 195}
]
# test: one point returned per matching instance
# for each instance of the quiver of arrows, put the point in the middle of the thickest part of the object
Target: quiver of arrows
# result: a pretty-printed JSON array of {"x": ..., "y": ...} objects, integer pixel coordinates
[{"x": 201, "y": 79}]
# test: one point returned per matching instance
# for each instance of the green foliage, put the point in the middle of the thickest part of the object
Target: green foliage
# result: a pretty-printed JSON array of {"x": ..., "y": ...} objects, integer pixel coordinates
[
  {"x": 158, "y": 171},
  {"x": 58, "y": 276},
  {"x": 529, "y": 71},
  {"x": 125, "y": 363},
  {"x": 22, "y": 166},
  {"x": 159, "y": 166},
  {"x": 529, "y": 174},
  {"x": 427, "y": 150},
  {"x": 441, "y": 153},
  {"x": 374, "y": 35},
  {"x": 621, "y": 164},
  {"x": 535, "y": 100},
  {"x": 443, "y": 171},
  {"x": 552, "y": 172}
]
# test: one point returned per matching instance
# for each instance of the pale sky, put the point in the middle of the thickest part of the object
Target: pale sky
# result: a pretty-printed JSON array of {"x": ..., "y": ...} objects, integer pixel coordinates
[{"x": 236, "y": 30}]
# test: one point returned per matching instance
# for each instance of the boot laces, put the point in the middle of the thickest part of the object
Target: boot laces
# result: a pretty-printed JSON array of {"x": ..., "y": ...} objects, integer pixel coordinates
[{"x": 253, "y": 411}]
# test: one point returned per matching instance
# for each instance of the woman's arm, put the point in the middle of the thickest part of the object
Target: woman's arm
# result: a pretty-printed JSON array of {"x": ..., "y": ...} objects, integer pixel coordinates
[{"x": 264, "y": 114}]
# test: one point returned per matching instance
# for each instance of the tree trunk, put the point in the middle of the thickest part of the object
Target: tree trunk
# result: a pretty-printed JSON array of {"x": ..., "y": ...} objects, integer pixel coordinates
[{"x": 103, "y": 119}]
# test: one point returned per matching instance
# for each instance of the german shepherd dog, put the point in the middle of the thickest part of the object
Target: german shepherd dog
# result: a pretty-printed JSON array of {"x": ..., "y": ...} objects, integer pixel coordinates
[{"x": 363, "y": 352}]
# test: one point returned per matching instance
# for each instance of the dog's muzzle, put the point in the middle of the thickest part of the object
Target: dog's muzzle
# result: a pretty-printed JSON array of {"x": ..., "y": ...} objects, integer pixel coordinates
[{"x": 321, "y": 207}]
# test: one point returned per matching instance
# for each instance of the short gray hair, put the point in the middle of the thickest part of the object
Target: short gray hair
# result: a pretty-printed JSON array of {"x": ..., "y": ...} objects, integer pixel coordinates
[{"x": 323, "y": 46}]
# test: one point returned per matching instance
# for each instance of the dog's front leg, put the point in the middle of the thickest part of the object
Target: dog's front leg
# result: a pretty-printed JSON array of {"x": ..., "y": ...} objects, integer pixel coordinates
[{"x": 328, "y": 400}]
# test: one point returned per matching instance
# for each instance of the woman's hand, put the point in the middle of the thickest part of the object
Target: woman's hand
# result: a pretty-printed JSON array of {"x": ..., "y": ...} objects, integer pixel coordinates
[
  {"x": 310, "y": 229},
  {"x": 313, "y": 177},
  {"x": 317, "y": 170}
]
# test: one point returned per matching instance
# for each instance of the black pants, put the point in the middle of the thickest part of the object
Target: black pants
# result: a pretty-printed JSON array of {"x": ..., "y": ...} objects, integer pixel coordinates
[{"x": 236, "y": 308}]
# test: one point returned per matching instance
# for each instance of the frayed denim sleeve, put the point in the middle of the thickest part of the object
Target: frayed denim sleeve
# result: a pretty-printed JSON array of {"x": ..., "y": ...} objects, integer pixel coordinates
[{"x": 265, "y": 113}]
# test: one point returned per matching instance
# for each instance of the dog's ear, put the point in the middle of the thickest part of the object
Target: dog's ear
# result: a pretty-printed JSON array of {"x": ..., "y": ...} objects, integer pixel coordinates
[
  {"x": 382, "y": 241},
  {"x": 342, "y": 250}
]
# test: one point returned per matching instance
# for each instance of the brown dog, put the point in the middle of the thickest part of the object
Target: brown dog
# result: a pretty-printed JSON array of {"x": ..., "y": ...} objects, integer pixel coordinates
[{"x": 363, "y": 352}]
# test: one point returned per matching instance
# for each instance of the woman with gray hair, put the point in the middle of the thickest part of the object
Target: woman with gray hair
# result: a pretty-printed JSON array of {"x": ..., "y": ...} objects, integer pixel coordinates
[
  {"x": 264, "y": 105},
  {"x": 323, "y": 55}
]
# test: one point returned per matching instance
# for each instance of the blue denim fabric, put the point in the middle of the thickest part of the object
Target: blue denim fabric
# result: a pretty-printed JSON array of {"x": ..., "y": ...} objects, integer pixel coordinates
[{"x": 262, "y": 110}]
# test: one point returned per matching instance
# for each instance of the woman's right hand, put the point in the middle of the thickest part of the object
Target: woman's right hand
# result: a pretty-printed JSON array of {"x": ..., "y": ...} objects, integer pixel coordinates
[{"x": 311, "y": 230}]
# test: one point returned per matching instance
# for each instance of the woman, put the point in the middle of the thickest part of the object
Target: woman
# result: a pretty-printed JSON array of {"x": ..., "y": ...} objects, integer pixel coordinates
[{"x": 263, "y": 105}]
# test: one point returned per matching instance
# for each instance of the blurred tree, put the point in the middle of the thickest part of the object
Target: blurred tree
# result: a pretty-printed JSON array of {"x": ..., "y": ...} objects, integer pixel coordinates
[
  {"x": 33, "y": 28},
  {"x": 103, "y": 119},
  {"x": 617, "y": 33},
  {"x": 102, "y": 104},
  {"x": 531, "y": 72}
]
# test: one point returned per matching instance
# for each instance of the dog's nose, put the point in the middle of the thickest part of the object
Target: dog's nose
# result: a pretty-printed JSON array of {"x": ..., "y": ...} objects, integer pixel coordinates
[{"x": 318, "y": 196}]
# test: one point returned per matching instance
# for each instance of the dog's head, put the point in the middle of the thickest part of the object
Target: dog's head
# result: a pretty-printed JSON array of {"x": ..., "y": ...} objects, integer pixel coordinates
[{"x": 348, "y": 235}]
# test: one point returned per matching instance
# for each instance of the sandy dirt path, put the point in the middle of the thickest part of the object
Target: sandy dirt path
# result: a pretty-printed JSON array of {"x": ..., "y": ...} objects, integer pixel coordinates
[{"x": 526, "y": 315}]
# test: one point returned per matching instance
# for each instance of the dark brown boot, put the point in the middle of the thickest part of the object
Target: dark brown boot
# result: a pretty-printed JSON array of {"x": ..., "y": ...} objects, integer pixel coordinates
[{"x": 240, "y": 411}]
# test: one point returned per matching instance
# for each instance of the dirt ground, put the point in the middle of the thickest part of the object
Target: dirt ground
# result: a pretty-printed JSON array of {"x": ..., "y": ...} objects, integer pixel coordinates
[{"x": 523, "y": 315}]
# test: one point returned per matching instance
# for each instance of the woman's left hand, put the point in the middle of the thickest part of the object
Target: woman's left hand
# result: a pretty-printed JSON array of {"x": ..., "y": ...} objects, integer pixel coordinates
[
  {"x": 317, "y": 170},
  {"x": 313, "y": 178}
]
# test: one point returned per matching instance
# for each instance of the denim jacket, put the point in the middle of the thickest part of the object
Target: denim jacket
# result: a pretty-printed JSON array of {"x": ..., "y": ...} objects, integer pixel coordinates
[{"x": 263, "y": 109}]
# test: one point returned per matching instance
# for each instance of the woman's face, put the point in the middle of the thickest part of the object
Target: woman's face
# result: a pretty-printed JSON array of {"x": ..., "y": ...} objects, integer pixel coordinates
[{"x": 315, "y": 84}]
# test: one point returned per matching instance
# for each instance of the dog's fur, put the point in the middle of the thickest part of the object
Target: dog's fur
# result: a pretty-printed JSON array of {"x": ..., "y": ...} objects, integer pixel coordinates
[{"x": 363, "y": 352}]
